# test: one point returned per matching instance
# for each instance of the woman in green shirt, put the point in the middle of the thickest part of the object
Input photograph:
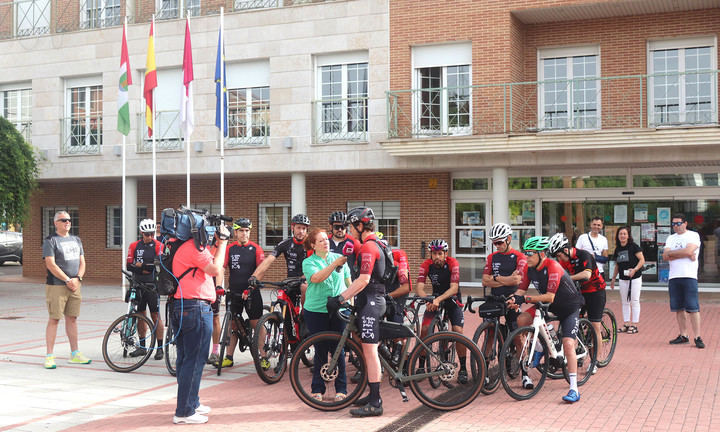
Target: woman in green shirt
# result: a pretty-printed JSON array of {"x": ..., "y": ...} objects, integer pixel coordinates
[{"x": 327, "y": 275}]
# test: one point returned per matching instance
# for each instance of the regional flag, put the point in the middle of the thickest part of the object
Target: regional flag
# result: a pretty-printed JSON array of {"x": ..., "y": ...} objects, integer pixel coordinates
[
  {"x": 187, "y": 116},
  {"x": 123, "y": 123},
  {"x": 221, "y": 87},
  {"x": 150, "y": 80}
]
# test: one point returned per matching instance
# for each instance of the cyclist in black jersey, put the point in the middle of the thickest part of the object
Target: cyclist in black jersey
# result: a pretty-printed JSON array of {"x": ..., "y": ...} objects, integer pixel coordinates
[{"x": 338, "y": 229}]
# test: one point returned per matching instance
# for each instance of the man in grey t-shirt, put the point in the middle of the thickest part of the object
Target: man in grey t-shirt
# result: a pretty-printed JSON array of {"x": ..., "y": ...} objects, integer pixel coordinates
[{"x": 65, "y": 263}]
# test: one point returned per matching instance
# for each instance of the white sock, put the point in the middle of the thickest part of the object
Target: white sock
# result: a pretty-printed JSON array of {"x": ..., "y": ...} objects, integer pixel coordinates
[{"x": 573, "y": 381}]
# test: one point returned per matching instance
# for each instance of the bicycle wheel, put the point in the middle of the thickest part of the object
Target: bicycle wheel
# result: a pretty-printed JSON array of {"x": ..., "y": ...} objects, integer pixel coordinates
[
  {"x": 585, "y": 352},
  {"x": 436, "y": 326},
  {"x": 170, "y": 349},
  {"x": 608, "y": 338},
  {"x": 307, "y": 356},
  {"x": 122, "y": 339},
  {"x": 270, "y": 349},
  {"x": 332, "y": 380},
  {"x": 441, "y": 357},
  {"x": 225, "y": 331},
  {"x": 490, "y": 348},
  {"x": 512, "y": 365}
]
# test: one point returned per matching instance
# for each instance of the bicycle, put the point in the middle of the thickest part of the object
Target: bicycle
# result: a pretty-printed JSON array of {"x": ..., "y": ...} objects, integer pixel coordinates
[
  {"x": 552, "y": 354},
  {"x": 234, "y": 324},
  {"x": 432, "y": 358},
  {"x": 170, "y": 345},
  {"x": 280, "y": 331},
  {"x": 608, "y": 336},
  {"x": 490, "y": 336},
  {"x": 410, "y": 312},
  {"x": 122, "y": 337}
]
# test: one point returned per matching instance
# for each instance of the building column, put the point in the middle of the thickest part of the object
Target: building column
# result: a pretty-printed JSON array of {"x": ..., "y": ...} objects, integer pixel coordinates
[
  {"x": 500, "y": 196},
  {"x": 297, "y": 185},
  {"x": 130, "y": 212}
]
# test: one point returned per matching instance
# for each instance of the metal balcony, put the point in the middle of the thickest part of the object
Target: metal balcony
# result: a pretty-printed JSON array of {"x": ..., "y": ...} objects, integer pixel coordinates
[
  {"x": 167, "y": 131},
  {"x": 81, "y": 135}
]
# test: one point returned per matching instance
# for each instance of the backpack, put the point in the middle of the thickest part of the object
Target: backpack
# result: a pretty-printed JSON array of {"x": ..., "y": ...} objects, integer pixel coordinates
[
  {"x": 165, "y": 281},
  {"x": 390, "y": 274}
]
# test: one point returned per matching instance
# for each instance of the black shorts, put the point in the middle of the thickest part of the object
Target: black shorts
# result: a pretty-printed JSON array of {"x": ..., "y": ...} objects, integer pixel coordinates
[
  {"x": 148, "y": 300},
  {"x": 594, "y": 305},
  {"x": 569, "y": 325},
  {"x": 452, "y": 310},
  {"x": 370, "y": 304},
  {"x": 253, "y": 306}
]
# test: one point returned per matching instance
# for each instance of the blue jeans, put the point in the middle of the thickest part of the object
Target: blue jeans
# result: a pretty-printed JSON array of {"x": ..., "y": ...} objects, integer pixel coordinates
[
  {"x": 317, "y": 322},
  {"x": 684, "y": 295},
  {"x": 193, "y": 345}
]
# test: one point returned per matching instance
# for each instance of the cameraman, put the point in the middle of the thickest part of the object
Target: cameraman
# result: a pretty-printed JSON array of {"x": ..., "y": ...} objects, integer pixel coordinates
[{"x": 193, "y": 316}]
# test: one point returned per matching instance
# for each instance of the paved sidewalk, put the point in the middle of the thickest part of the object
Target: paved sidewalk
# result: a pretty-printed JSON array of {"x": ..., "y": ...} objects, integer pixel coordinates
[{"x": 649, "y": 386}]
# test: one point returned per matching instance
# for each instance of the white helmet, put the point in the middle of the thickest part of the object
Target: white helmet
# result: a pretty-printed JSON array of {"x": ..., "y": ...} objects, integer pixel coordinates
[
  {"x": 557, "y": 243},
  {"x": 147, "y": 226},
  {"x": 500, "y": 231}
]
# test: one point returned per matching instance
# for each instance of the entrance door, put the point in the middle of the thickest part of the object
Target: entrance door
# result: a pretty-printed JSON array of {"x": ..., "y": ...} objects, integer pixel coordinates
[{"x": 469, "y": 246}]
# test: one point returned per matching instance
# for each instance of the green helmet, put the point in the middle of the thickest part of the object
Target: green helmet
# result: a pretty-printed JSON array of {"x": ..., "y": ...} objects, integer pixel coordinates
[{"x": 537, "y": 243}]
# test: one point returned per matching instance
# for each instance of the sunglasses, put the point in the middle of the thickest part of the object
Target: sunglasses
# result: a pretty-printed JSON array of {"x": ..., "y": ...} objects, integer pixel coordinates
[
  {"x": 499, "y": 242},
  {"x": 529, "y": 253},
  {"x": 147, "y": 234},
  {"x": 338, "y": 227},
  {"x": 63, "y": 220},
  {"x": 671, "y": 223}
]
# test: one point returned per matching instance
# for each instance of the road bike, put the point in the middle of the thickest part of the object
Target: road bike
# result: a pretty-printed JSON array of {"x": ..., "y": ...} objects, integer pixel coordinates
[
  {"x": 279, "y": 331},
  {"x": 608, "y": 336},
  {"x": 123, "y": 336},
  {"x": 432, "y": 359},
  {"x": 520, "y": 347},
  {"x": 234, "y": 324}
]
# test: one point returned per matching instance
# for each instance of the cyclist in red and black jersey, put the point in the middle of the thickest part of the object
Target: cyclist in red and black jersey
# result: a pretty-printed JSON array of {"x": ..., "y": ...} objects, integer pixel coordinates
[
  {"x": 242, "y": 258},
  {"x": 141, "y": 262},
  {"x": 555, "y": 287},
  {"x": 369, "y": 289},
  {"x": 444, "y": 274}
]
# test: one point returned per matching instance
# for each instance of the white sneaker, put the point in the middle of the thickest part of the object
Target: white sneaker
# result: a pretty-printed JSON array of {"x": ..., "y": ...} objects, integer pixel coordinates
[
  {"x": 594, "y": 370},
  {"x": 527, "y": 383},
  {"x": 203, "y": 409},
  {"x": 193, "y": 419}
]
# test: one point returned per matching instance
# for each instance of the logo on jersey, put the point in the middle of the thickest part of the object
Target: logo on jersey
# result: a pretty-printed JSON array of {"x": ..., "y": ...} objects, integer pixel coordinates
[{"x": 366, "y": 263}]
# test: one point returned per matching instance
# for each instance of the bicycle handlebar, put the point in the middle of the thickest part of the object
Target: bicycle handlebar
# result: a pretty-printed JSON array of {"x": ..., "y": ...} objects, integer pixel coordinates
[
  {"x": 134, "y": 282},
  {"x": 284, "y": 284},
  {"x": 496, "y": 298}
]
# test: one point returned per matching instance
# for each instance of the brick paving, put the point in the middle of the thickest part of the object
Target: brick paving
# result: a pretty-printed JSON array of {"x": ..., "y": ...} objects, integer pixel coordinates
[{"x": 649, "y": 386}]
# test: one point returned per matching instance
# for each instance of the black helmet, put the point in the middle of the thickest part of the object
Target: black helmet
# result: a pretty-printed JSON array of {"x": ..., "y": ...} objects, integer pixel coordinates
[
  {"x": 301, "y": 219},
  {"x": 360, "y": 214},
  {"x": 337, "y": 217},
  {"x": 242, "y": 223}
]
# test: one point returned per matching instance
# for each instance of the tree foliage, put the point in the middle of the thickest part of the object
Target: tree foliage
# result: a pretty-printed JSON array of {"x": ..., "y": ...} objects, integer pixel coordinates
[{"x": 18, "y": 173}]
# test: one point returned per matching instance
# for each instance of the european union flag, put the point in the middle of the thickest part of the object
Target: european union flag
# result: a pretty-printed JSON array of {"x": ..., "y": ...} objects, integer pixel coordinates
[{"x": 221, "y": 87}]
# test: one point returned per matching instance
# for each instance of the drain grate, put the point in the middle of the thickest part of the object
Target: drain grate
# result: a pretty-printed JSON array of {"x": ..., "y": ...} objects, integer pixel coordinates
[
  {"x": 10, "y": 317},
  {"x": 413, "y": 420}
]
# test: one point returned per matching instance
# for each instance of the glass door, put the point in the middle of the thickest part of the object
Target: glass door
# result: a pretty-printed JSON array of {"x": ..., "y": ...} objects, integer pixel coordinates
[{"x": 469, "y": 243}]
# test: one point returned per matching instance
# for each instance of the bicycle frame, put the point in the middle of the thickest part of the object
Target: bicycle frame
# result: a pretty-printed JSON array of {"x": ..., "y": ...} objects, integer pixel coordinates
[{"x": 541, "y": 330}]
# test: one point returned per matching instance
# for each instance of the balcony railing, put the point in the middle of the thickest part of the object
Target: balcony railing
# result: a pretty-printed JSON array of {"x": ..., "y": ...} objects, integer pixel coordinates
[
  {"x": 634, "y": 101},
  {"x": 249, "y": 128},
  {"x": 255, "y": 4},
  {"x": 81, "y": 135},
  {"x": 167, "y": 131},
  {"x": 24, "y": 18},
  {"x": 342, "y": 119}
]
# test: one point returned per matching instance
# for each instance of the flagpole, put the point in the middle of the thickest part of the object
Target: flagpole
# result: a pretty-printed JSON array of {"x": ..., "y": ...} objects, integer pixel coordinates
[
  {"x": 187, "y": 139},
  {"x": 222, "y": 111},
  {"x": 154, "y": 164},
  {"x": 122, "y": 209}
]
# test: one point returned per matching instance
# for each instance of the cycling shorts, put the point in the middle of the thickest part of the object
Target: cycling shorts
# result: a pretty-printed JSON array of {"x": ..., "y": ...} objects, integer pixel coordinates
[
  {"x": 370, "y": 305},
  {"x": 148, "y": 300},
  {"x": 452, "y": 311},
  {"x": 594, "y": 305},
  {"x": 253, "y": 306},
  {"x": 569, "y": 325}
]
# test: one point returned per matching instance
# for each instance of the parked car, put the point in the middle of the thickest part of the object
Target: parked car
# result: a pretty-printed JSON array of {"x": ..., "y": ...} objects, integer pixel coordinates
[{"x": 11, "y": 246}]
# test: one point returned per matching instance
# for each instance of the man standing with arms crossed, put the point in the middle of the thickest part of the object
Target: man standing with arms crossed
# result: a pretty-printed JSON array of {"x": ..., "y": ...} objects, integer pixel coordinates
[
  {"x": 595, "y": 243},
  {"x": 65, "y": 263},
  {"x": 681, "y": 251}
]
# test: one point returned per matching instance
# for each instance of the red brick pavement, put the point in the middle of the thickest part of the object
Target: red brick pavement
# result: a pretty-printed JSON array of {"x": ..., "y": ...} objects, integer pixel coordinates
[{"x": 649, "y": 386}]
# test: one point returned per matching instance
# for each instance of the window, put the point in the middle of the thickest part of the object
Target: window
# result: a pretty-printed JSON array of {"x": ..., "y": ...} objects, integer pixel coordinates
[
  {"x": 677, "y": 180},
  {"x": 342, "y": 106},
  {"x": 470, "y": 184},
  {"x": 16, "y": 107},
  {"x": 32, "y": 17},
  {"x": 442, "y": 105},
  {"x": 167, "y": 128},
  {"x": 48, "y": 226},
  {"x": 682, "y": 85},
  {"x": 114, "y": 225},
  {"x": 274, "y": 224},
  {"x": 387, "y": 218},
  {"x": 99, "y": 13},
  {"x": 83, "y": 123},
  {"x": 169, "y": 9},
  {"x": 248, "y": 103},
  {"x": 568, "y": 98},
  {"x": 580, "y": 182}
]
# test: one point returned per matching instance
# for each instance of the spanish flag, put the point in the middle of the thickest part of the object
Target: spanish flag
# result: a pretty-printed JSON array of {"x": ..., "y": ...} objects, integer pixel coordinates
[{"x": 150, "y": 80}]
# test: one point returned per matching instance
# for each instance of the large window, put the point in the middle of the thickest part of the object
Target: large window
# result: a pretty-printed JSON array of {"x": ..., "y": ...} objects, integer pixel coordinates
[
  {"x": 114, "y": 226},
  {"x": 274, "y": 224},
  {"x": 99, "y": 13},
  {"x": 48, "y": 225},
  {"x": 248, "y": 103},
  {"x": 568, "y": 96},
  {"x": 387, "y": 218},
  {"x": 342, "y": 92},
  {"x": 83, "y": 131},
  {"x": 683, "y": 82},
  {"x": 32, "y": 17},
  {"x": 167, "y": 131},
  {"x": 16, "y": 107}
]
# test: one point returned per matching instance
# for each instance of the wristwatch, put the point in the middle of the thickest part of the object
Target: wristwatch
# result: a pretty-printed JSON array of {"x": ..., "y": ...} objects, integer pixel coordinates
[{"x": 80, "y": 278}]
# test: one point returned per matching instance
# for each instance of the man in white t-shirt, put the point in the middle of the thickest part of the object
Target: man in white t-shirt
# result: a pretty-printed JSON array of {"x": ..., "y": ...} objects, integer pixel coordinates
[
  {"x": 682, "y": 250},
  {"x": 595, "y": 243}
]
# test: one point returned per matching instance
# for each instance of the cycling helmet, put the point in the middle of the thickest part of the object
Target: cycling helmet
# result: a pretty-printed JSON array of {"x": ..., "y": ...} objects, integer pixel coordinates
[
  {"x": 360, "y": 214},
  {"x": 500, "y": 231},
  {"x": 537, "y": 243},
  {"x": 438, "y": 245},
  {"x": 147, "y": 226},
  {"x": 557, "y": 243},
  {"x": 242, "y": 223},
  {"x": 337, "y": 217},
  {"x": 301, "y": 219}
]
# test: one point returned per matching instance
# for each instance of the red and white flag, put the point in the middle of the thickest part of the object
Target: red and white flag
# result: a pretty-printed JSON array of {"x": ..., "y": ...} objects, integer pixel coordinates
[{"x": 187, "y": 115}]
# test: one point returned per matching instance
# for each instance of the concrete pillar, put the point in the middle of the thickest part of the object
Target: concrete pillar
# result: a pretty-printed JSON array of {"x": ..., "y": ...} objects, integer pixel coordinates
[
  {"x": 297, "y": 203},
  {"x": 130, "y": 212},
  {"x": 500, "y": 196}
]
